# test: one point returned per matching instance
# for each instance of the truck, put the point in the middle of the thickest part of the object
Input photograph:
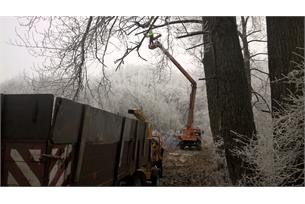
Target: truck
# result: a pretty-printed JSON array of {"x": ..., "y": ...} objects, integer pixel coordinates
[{"x": 53, "y": 141}]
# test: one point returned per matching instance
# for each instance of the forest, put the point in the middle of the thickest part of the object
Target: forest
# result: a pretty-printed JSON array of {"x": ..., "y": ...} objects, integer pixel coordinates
[{"x": 250, "y": 86}]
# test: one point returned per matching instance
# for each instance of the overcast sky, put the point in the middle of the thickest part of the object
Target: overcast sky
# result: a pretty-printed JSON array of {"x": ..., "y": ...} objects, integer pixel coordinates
[
  {"x": 16, "y": 60},
  {"x": 13, "y": 60}
]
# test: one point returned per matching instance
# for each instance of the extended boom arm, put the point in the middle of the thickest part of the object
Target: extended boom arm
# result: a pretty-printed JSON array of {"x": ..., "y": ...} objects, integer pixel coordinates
[{"x": 154, "y": 43}]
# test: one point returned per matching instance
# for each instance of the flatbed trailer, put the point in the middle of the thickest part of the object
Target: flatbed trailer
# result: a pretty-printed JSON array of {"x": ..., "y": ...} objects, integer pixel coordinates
[{"x": 48, "y": 141}]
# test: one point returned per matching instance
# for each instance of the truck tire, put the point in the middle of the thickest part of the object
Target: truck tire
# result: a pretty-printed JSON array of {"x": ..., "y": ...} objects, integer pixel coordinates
[
  {"x": 198, "y": 145},
  {"x": 199, "y": 148},
  {"x": 155, "y": 180},
  {"x": 181, "y": 145},
  {"x": 155, "y": 176},
  {"x": 138, "y": 179},
  {"x": 160, "y": 166}
]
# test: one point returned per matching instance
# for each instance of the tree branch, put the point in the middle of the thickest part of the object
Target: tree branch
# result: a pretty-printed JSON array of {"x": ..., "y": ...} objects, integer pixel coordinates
[
  {"x": 80, "y": 66},
  {"x": 191, "y": 34},
  {"x": 251, "y": 33},
  {"x": 265, "y": 101},
  {"x": 255, "y": 69},
  {"x": 195, "y": 46},
  {"x": 172, "y": 22},
  {"x": 256, "y": 54},
  {"x": 137, "y": 47},
  {"x": 254, "y": 40}
]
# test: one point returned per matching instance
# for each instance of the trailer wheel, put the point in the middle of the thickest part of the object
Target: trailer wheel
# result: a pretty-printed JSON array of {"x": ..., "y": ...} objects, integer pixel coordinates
[
  {"x": 138, "y": 179},
  {"x": 155, "y": 181},
  {"x": 182, "y": 145},
  {"x": 160, "y": 167},
  {"x": 155, "y": 176},
  {"x": 199, "y": 147}
]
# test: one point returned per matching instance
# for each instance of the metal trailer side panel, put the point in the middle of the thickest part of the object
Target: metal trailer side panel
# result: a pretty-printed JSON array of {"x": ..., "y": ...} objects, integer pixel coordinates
[
  {"x": 23, "y": 166},
  {"x": 67, "y": 120},
  {"x": 98, "y": 165},
  {"x": 81, "y": 148},
  {"x": 141, "y": 130},
  {"x": 60, "y": 170},
  {"x": 119, "y": 154},
  {"x": 126, "y": 162},
  {"x": 101, "y": 131},
  {"x": 89, "y": 145},
  {"x": 64, "y": 145},
  {"x": 135, "y": 148},
  {"x": 27, "y": 117},
  {"x": 146, "y": 147},
  {"x": 26, "y": 121}
]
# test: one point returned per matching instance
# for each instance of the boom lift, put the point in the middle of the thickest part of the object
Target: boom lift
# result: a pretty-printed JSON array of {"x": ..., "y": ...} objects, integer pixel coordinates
[{"x": 188, "y": 136}]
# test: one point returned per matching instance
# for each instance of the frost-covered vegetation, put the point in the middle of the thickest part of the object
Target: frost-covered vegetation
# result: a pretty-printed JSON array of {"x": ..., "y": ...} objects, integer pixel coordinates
[{"x": 276, "y": 156}]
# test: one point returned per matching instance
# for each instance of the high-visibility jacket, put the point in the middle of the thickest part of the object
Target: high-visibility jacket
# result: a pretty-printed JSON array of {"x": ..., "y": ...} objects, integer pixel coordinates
[{"x": 150, "y": 34}]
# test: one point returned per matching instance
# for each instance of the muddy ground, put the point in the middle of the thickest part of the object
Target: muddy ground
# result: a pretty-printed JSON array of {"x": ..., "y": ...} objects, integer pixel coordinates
[{"x": 191, "y": 168}]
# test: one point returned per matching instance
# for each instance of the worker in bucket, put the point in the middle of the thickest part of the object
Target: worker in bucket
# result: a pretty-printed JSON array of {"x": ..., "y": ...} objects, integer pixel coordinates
[{"x": 150, "y": 34}]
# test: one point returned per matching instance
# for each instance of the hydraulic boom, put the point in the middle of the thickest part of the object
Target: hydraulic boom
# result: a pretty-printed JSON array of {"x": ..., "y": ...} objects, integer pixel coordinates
[{"x": 189, "y": 136}]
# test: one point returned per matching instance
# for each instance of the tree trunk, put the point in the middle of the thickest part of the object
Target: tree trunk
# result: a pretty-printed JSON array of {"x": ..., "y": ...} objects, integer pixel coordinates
[
  {"x": 229, "y": 99},
  {"x": 285, "y": 36},
  {"x": 211, "y": 85}
]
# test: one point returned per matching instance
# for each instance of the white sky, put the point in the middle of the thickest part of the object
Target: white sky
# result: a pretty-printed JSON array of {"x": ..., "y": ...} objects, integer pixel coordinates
[
  {"x": 16, "y": 60},
  {"x": 13, "y": 60}
]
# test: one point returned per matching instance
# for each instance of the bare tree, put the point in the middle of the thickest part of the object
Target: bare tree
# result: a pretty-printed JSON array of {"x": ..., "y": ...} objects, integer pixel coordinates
[
  {"x": 71, "y": 44},
  {"x": 249, "y": 28},
  {"x": 252, "y": 30}
]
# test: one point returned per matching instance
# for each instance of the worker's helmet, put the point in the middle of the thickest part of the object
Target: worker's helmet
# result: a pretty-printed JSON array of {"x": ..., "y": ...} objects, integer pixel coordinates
[{"x": 150, "y": 33}]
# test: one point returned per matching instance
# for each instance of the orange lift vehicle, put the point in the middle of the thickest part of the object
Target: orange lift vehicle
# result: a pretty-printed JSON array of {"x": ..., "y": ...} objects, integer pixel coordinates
[{"x": 189, "y": 136}]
